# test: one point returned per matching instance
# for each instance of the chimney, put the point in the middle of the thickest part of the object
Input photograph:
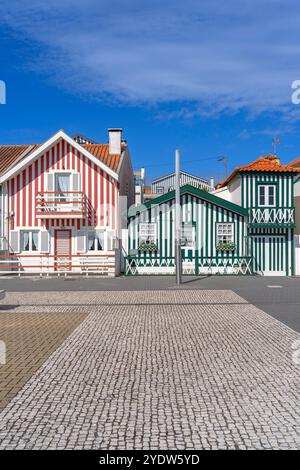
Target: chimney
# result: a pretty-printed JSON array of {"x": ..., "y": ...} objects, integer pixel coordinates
[
  {"x": 212, "y": 182},
  {"x": 114, "y": 139}
]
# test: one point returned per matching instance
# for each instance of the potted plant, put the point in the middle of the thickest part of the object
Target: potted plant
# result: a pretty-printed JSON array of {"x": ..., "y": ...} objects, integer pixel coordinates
[
  {"x": 226, "y": 246},
  {"x": 148, "y": 246}
]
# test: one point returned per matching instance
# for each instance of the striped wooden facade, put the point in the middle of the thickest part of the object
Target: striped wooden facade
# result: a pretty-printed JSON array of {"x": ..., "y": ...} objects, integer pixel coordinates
[
  {"x": 167, "y": 183},
  {"x": 201, "y": 210},
  {"x": 271, "y": 244},
  {"x": 98, "y": 190}
]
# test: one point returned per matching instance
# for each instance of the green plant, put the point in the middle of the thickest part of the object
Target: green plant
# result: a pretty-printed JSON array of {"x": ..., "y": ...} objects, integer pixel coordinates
[
  {"x": 226, "y": 246},
  {"x": 148, "y": 246}
]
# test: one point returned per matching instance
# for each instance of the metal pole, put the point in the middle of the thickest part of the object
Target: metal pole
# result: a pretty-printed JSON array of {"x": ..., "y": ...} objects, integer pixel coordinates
[{"x": 177, "y": 219}]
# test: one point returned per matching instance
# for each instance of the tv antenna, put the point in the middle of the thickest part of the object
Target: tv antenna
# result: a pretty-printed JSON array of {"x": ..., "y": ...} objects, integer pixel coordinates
[{"x": 275, "y": 143}]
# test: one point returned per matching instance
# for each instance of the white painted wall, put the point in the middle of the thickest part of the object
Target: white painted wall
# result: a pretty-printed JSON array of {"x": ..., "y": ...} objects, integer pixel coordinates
[
  {"x": 232, "y": 192},
  {"x": 297, "y": 255}
]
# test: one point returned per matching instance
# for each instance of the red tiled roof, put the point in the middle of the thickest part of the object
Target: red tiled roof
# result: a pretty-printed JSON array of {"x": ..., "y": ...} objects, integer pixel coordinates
[
  {"x": 10, "y": 154},
  {"x": 295, "y": 163},
  {"x": 101, "y": 151},
  {"x": 269, "y": 163}
]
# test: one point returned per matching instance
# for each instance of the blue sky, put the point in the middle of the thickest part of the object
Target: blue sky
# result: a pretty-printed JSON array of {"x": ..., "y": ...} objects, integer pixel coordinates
[{"x": 208, "y": 77}]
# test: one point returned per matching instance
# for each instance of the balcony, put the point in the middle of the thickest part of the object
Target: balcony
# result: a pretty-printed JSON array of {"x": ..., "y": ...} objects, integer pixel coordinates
[
  {"x": 272, "y": 217},
  {"x": 58, "y": 205}
]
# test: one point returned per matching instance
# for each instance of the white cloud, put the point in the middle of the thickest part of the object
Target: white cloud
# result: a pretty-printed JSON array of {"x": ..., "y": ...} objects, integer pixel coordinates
[{"x": 219, "y": 57}]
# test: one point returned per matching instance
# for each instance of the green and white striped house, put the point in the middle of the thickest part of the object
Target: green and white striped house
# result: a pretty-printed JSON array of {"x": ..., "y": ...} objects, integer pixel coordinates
[
  {"x": 213, "y": 235},
  {"x": 245, "y": 227},
  {"x": 265, "y": 188}
]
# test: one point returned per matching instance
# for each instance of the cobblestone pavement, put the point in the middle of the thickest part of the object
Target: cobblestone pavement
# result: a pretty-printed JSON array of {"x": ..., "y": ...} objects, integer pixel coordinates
[
  {"x": 118, "y": 298},
  {"x": 30, "y": 338},
  {"x": 167, "y": 370}
]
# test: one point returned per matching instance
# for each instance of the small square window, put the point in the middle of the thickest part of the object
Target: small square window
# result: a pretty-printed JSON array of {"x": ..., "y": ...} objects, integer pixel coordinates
[
  {"x": 225, "y": 233},
  {"x": 266, "y": 195}
]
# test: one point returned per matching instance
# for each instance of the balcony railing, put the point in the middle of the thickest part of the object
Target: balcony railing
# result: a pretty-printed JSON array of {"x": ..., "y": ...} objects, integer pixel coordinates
[
  {"x": 272, "y": 217},
  {"x": 58, "y": 205}
]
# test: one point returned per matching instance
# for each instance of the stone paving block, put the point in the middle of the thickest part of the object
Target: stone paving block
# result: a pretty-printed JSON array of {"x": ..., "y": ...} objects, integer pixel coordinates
[{"x": 175, "y": 370}]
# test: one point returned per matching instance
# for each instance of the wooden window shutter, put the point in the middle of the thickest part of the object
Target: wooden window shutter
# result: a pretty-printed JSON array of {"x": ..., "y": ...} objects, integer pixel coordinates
[
  {"x": 14, "y": 241},
  {"x": 81, "y": 241},
  {"x": 44, "y": 243},
  {"x": 76, "y": 182},
  {"x": 50, "y": 182}
]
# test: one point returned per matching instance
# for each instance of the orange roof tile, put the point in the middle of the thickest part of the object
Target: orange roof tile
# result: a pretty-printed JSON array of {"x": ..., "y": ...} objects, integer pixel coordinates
[
  {"x": 268, "y": 163},
  {"x": 10, "y": 154},
  {"x": 295, "y": 163},
  {"x": 101, "y": 151}
]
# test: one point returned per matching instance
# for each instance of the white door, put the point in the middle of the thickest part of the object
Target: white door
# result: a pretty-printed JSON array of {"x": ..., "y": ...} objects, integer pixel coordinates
[
  {"x": 297, "y": 255},
  {"x": 269, "y": 254}
]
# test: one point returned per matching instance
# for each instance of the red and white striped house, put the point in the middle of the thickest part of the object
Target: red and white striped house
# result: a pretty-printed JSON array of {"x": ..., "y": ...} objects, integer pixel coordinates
[{"x": 60, "y": 204}]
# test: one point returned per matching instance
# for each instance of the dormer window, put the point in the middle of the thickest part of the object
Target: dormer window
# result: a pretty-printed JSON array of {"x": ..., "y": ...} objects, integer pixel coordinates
[{"x": 266, "y": 195}]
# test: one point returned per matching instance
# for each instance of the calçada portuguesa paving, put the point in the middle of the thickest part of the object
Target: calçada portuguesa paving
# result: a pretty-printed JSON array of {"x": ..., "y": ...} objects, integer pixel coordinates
[{"x": 179, "y": 369}]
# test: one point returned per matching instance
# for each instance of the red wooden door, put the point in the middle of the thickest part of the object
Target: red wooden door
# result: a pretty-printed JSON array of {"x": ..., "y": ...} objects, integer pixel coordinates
[{"x": 63, "y": 250}]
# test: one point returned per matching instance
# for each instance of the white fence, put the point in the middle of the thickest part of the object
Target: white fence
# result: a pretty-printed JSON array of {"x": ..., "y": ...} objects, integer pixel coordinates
[{"x": 45, "y": 265}]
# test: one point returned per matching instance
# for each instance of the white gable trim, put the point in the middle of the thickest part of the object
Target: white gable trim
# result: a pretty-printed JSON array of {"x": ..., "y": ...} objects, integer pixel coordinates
[{"x": 61, "y": 135}]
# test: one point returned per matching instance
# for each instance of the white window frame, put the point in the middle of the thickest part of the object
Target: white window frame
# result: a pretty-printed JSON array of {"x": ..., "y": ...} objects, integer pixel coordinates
[
  {"x": 63, "y": 172},
  {"x": 222, "y": 228},
  {"x": 266, "y": 195},
  {"x": 95, "y": 233},
  {"x": 30, "y": 231},
  {"x": 144, "y": 232},
  {"x": 160, "y": 190},
  {"x": 71, "y": 172}
]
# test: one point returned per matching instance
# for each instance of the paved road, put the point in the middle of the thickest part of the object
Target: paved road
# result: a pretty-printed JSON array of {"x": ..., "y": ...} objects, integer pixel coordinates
[
  {"x": 282, "y": 303},
  {"x": 159, "y": 370}
]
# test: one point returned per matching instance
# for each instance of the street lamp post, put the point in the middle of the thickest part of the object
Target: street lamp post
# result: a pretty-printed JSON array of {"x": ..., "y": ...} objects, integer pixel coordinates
[{"x": 177, "y": 219}]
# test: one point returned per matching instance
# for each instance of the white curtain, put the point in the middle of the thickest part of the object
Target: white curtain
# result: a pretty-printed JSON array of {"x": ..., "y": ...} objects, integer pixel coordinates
[{"x": 63, "y": 184}]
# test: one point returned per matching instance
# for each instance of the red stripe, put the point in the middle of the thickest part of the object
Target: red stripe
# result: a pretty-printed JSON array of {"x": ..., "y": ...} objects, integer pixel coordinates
[
  {"x": 60, "y": 155},
  {"x": 69, "y": 157},
  {"x": 12, "y": 198},
  {"x": 113, "y": 205},
  {"x": 42, "y": 173},
  {"x": 83, "y": 183},
  {"x": 107, "y": 200},
  {"x": 24, "y": 198},
  {"x": 90, "y": 191},
  {"x": 30, "y": 196},
  {"x": 36, "y": 188},
  {"x": 101, "y": 196},
  {"x": 73, "y": 159},
  {"x": 96, "y": 194},
  {"x": 18, "y": 201}
]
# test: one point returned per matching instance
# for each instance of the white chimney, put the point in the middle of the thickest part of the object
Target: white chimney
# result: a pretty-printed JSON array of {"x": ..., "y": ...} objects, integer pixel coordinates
[
  {"x": 115, "y": 139},
  {"x": 212, "y": 182}
]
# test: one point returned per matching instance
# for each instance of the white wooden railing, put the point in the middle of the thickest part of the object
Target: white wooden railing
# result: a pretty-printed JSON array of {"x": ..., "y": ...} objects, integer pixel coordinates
[
  {"x": 139, "y": 265},
  {"x": 272, "y": 216},
  {"x": 57, "y": 204},
  {"x": 59, "y": 265}
]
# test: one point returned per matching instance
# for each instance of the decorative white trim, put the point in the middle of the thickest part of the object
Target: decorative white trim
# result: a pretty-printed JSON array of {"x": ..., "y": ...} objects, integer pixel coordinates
[{"x": 60, "y": 135}]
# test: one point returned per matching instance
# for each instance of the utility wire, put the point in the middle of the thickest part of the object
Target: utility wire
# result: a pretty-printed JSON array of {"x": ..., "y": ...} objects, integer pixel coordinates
[{"x": 183, "y": 161}]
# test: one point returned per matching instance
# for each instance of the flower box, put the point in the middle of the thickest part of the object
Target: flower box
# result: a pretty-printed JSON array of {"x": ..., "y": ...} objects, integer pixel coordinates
[{"x": 226, "y": 246}]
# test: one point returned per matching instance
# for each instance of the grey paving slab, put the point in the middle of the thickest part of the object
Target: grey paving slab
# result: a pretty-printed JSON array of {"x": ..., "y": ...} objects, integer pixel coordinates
[{"x": 172, "y": 372}]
